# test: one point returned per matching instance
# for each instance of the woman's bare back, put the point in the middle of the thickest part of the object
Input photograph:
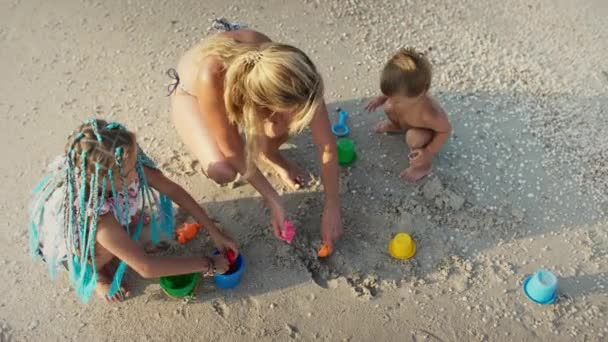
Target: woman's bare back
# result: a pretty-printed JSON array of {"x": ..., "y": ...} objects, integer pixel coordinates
[{"x": 189, "y": 68}]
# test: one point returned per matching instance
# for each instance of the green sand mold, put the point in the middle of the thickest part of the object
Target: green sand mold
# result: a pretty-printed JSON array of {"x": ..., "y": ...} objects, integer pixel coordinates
[
  {"x": 346, "y": 151},
  {"x": 179, "y": 286}
]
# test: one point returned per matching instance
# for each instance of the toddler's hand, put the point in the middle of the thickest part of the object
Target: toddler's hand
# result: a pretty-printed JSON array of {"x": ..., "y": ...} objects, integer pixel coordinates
[
  {"x": 375, "y": 103},
  {"x": 419, "y": 157}
]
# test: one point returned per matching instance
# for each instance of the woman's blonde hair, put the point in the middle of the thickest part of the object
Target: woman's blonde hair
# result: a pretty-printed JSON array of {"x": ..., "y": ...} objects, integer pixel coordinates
[{"x": 265, "y": 78}]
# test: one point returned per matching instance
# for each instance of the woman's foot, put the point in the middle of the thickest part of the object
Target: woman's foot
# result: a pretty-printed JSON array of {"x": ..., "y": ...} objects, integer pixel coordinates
[
  {"x": 415, "y": 173},
  {"x": 104, "y": 281},
  {"x": 294, "y": 177},
  {"x": 387, "y": 126}
]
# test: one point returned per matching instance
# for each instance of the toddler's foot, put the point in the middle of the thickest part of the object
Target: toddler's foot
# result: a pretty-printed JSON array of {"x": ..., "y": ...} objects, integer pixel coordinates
[
  {"x": 415, "y": 173},
  {"x": 294, "y": 177},
  {"x": 387, "y": 126}
]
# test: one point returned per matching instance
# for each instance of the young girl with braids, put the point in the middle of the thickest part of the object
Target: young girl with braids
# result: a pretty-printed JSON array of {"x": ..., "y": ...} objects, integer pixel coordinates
[
  {"x": 85, "y": 213},
  {"x": 236, "y": 98}
]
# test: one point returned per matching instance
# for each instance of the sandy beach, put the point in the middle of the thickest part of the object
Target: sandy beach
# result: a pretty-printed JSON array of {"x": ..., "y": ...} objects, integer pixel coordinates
[{"x": 521, "y": 185}]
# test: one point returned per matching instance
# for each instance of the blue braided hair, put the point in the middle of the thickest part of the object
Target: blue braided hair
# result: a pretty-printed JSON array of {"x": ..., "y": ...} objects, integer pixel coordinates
[{"x": 95, "y": 157}]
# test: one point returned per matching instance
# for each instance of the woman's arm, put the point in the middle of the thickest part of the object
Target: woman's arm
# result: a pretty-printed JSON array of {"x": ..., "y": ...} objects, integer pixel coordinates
[
  {"x": 111, "y": 236},
  {"x": 328, "y": 155},
  {"x": 177, "y": 194},
  {"x": 331, "y": 224}
]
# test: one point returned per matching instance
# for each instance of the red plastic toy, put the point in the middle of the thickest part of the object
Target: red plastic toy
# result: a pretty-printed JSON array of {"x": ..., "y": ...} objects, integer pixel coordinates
[{"x": 231, "y": 258}]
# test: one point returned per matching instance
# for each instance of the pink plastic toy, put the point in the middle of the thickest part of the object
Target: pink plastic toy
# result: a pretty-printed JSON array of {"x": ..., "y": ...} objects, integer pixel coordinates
[{"x": 288, "y": 232}]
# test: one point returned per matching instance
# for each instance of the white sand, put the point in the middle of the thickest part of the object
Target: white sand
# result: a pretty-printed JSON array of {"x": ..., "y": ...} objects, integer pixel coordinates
[{"x": 522, "y": 185}]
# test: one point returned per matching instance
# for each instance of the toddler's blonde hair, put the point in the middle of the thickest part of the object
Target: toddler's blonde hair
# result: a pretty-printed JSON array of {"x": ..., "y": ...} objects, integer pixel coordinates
[{"x": 407, "y": 73}]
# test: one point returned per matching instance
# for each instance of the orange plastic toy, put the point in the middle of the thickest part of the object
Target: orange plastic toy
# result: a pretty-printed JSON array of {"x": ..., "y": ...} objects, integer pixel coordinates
[
  {"x": 324, "y": 251},
  {"x": 187, "y": 232}
]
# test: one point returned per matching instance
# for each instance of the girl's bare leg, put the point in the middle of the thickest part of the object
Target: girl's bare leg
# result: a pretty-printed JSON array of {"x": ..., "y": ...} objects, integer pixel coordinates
[{"x": 106, "y": 264}]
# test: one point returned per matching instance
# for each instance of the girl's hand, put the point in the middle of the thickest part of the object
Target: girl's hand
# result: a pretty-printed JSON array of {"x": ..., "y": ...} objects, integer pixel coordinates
[
  {"x": 222, "y": 242},
  {"x": 277, "y": 217},
  {"x": 375, "y": 103},
  {"x": 219, "y": 263}
]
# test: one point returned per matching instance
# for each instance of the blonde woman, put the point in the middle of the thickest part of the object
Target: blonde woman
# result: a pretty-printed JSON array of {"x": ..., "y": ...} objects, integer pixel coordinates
[{"x": 236, "y": 98}]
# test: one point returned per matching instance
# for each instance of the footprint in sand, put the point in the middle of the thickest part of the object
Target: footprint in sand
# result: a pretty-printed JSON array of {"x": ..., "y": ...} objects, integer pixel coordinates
[
  {"x": 220, "y": 308},
  {"x": 181, "y": 164},
  {"x": 5, "y": 331}
]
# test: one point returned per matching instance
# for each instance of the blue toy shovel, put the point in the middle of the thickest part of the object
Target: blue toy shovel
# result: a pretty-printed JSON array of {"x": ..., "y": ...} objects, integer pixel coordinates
[{"x": 340, "y": 129}]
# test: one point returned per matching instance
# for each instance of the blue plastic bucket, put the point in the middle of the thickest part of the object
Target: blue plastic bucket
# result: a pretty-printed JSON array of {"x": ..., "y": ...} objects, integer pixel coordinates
[{"x": 230, "y": 280}]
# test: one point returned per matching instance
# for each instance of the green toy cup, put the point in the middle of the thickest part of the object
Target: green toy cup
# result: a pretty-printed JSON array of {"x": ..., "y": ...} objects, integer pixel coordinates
[
  {"x": 179, "y": 286},
  {"x": 346, "y": 151}
]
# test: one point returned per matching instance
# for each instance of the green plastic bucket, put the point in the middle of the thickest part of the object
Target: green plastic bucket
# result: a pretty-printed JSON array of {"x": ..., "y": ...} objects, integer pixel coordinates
[
  {"x": 181, "y": 285},
  {"x": 346, "y": 151}
]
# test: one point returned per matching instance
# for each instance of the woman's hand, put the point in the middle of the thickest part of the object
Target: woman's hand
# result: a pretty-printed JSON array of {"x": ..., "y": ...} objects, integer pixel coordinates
[
  {"x": 419, "y": 157},
  {"x": 331, "y": 225},
  {"x": 277, "y": 217}
]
